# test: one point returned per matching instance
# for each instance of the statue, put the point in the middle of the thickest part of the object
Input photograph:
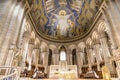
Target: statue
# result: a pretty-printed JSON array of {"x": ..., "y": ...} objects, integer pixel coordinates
[{"x": 106, "y": 73}]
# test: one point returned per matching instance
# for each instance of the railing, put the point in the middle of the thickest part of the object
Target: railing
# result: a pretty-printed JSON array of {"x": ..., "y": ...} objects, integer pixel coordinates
[{"x": 9, "y": 73}]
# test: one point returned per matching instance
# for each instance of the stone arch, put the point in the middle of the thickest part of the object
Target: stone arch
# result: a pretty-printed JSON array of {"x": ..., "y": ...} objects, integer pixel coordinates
[
  {"x": 27, "y": 27},
  {"x": 81, "y": 45},
  {"x": 52, "y": 47},
  {"x": 89, "y": 42},
  {"x": 44, "y": 47},
  {"x": 32, "y": 38},
  {"x": 37, "y": 43},
  {"x": 32, "y": 35},
  {"x": 71, "y": 47},
  {"x": 95, "y": 37},
  {"x": 101, "y": 27}
]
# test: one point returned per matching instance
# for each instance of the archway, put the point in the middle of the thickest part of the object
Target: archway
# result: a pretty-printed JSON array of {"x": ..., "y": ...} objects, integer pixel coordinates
[{"x": 62, "y": 53}]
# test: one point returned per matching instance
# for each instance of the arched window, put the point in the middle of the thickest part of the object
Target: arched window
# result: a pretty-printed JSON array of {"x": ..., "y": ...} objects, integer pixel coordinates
[{"x": 62, "y": 54}]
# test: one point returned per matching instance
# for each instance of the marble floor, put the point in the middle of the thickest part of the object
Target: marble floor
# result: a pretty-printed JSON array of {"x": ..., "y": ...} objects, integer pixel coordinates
[
  {"x": 64, "y": 79},
  {"x": 57, "y": 79}
]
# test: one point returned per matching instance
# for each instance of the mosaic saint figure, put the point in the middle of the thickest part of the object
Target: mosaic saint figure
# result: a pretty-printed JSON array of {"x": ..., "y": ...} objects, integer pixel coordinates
[{"x": 62, "y": 22}]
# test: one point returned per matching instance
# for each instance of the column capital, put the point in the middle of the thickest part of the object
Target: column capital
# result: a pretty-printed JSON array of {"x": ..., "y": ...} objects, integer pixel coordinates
[
  {"x": 97, "y": 44},
  {"x": 31, "y": 42},
  {"x": 103, "y": 35},
  {"x": 36, "y": 47},
  {"x": 78, "y": 51},
  {"x": 12, "y": 47}
]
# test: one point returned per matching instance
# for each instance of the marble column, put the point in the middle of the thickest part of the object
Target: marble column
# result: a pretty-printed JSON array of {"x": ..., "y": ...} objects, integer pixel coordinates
[
  {"x": 69, "y": 56},
  {"x": 29, "y": 55},
  {"x": 54, "y": 59},
  {"x": 113, "y": 21},
  {"x": 105, "y": 52},
  {"x": 113, "y": 9},
  {"x": 118, "y": 4},
  {"x": 79, "y": 61},
  {"x": 57, "y": 58},
  {"x": 19, "y": 22},
  {"x": 24, "y": 48},
  {"x": 89, "y": 56},
  {"x": 36, "y": 55},
  {"x": 6, "y": 22},
  {"x": 11, "y": 55},
  {"x": 7, "y": 39},
  {"x": 98, "y": 55},
  {"x": 6, "y": 8},
  {"x": 15, "y": 32},
  {"x": 3, "y": 6},
  {"x": 45, "y": 60},
  {"x": 21, "y": 33}
]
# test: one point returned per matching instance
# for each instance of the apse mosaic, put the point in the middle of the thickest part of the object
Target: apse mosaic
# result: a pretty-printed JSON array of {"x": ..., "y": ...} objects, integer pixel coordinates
[{"x": 63, "y": 19}]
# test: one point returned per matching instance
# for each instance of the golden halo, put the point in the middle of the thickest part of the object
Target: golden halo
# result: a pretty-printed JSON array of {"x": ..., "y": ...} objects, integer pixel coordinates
[{"x": 62, "y": 12}]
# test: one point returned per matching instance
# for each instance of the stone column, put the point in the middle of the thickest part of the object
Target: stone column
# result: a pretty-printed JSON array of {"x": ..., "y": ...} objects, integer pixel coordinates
[
  {"x": 113, "y": 21},
  {"x": 69, "y": 57},
  {"x": 7, "y": 39},
  {"x": 118, "y": 4},
  {"x": 6, "y": 8},
  {"x": 16, "y": 29},
  {"x": 24, "y": 48},
  {"x": 21, "y": 33},
  {"x": 36, "y": 55},
  {"x": 11, "y": 55},
  {"x": 45, "y": 60},
  {"x": 18, "y": 25},
  {"x": 54, "y": 59},
  {"x": 105, "y": 52},
  {"x": 79, "y": 61},
  {"x": 89, "y": 56},
  {"x": 113, "y": 9},
  {"x": 29, "y": 55},
  {"x": 4, "y": 5},
  {"x": 116, "y": 58},
  {"x": 6, "y": 23},
  {"x": 98, "y": 56}
]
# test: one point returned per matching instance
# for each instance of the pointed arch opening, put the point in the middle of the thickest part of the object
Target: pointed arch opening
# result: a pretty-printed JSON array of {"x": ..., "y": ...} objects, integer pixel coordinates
[{"x": 62, "y": 53}]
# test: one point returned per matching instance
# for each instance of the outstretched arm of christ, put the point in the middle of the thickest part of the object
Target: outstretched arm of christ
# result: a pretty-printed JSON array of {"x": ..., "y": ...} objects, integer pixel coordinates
[
  {"x": 54, "y": 14},
  {"x": 69, "y": 15}
]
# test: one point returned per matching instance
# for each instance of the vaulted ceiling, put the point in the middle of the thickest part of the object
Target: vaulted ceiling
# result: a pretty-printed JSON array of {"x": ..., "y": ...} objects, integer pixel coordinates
[{"x": 63, "y": 20}]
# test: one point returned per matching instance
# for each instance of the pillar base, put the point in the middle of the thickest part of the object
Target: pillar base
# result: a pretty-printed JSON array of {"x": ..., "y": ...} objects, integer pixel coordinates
[{"x": 118, "y": 72}]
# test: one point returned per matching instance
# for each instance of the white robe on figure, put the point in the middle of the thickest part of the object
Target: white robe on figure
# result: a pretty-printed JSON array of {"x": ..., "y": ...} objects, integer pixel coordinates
[{"x": 63, "y": 24}]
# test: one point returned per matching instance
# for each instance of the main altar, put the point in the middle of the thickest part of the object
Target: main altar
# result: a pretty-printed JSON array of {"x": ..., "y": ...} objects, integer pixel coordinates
[{"x": 63, "y": 71}]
